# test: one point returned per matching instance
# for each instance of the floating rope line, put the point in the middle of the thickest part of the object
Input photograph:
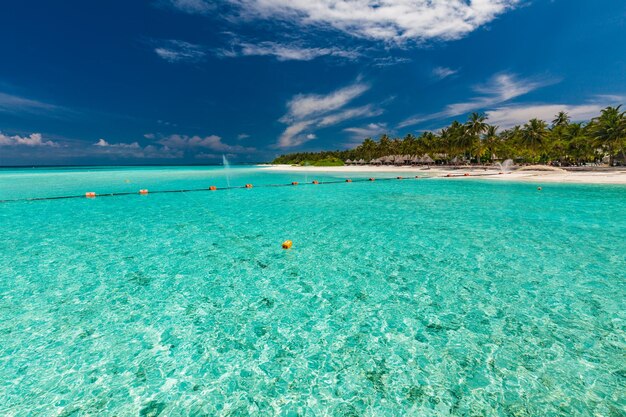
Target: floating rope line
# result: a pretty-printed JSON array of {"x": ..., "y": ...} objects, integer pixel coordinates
[{"x": 213, "y": 188}]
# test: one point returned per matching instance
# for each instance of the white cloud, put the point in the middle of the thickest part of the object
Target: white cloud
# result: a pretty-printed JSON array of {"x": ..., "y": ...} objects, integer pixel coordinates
[
  {"x": 388, "y": 61},
  {"x": 369, "y": 131},
  {"x": 192, "y": 6},
  {"x": 212, "y": 142},
  {"x": 501, "y": 88},
  {"x": 443, "y": 72},
  {"x": 32, "y": 140},
  {"x": 507, "y": 117},
  {"x": 242, "y": 136},
  {"x": 306, "y": 112},
  {"x": 179, "y": 51},
  {"x": 307, "y": 105},
  {"x": 12, "y": 104},
  {"x": 104, "y": 144},
  {"x": 132, "y": 150},
  {"x": 387, "y": 20},
  {"x": 285, "y": 52}
]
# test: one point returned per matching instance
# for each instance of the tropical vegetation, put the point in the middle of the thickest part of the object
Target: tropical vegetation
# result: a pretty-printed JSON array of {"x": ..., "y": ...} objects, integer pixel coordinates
[{"x": 560, "y": 142}]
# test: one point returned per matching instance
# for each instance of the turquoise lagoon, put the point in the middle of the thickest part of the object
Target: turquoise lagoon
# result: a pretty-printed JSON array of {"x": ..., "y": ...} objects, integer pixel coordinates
[{"x": 419, "y": 297}]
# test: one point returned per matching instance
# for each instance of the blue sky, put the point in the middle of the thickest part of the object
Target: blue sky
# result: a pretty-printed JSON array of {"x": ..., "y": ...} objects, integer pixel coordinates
[{"x": 186, "y": 81}]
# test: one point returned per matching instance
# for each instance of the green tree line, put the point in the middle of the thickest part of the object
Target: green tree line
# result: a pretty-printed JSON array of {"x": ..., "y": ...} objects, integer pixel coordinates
[{"x": 562, "y": 141}]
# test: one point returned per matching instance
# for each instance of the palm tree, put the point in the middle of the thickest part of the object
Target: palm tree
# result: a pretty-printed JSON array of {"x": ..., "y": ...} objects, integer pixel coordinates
[
  {"x": 561, "y": 119},
  {"x": 474, "y": 127},
  {"x": 534, "y": 134},
  {"x": 609, "y": 131},
  {"x": 491, "y": 140}
]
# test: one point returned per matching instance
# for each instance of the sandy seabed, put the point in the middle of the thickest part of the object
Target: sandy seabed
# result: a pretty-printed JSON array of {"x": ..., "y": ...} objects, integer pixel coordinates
[{"x": 553, "y": 175}]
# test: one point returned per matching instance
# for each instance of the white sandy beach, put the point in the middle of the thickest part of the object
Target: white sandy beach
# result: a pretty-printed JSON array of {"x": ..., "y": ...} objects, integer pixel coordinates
[{"x": 612, "y": 176}]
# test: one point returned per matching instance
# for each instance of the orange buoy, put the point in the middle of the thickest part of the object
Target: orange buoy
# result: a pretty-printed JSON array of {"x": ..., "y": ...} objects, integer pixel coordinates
[
  {"x": 398, "y": 178},
  {"x": 143, "y": 191},
  {"x": 448, "y": 175},
  {"x": 90, "y": 194},
  {"x": 294, "y": 183},
  {"x": 466, "y": 174},
  {"x": 287, "y": 244},
  {"x": 213, "y": 188},
  {"x": 316, "y": 182},
  {"x": 372, "y": 179},
  {"x": 348, "y": 180},
  {"x": 248, "y": 185}
]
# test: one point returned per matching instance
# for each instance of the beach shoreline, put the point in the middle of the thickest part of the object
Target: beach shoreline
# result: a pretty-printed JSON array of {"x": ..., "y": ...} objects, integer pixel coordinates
[{"x": 548, "y": 174}]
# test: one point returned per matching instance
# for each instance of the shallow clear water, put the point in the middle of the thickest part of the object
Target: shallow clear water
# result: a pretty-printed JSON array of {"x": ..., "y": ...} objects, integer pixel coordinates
[{"x": 422, "y": 297}]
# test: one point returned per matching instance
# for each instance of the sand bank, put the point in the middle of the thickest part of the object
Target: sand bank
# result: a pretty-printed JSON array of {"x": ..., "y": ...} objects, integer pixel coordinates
[{"x": 604, "y": 176}]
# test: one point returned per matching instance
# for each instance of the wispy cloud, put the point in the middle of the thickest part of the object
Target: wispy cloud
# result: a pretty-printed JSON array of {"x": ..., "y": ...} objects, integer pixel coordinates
[
  {"x": 179, "y": 51},
  {"x": 391, "y": 20},
  {"x": 369, "y": 131},
  {"x": 242, "y": 136},
  {"x": 509, "y": 116},
  {"x": 285, "y": 52},
  {"x": 212, "y": 142},
  {"x": 306, "y": 112},
  {"x": 501, "y": 88},
  {"x": 32, "y": 140},
  {"x": 132, "y": 150},
  {"x": 307, "y": 105},
  {"x": 190, "y": 6},
  {"x": 15, "y": 104},
  {"x": 444, "y": 72}
]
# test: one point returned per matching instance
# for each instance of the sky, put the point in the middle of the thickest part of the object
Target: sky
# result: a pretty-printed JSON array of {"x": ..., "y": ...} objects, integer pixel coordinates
[{"x": 187, "y": 81}]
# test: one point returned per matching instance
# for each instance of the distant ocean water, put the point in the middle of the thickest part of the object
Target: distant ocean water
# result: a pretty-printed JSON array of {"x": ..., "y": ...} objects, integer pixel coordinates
[{"x": 421, "y": 297}]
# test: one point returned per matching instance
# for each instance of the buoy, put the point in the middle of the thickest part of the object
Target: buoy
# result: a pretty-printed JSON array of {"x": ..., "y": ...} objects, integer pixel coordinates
[
  {"x": 417, "y": 176},
  {"x": 294, "y": 183},
  {"x": 248, "y": 185},
  {"x": 90, "y": 194},
  {"x": 398, "y": 178},
  {"x": 213, "y": 188},
  {"x": 316, "y": 182},
  {"x": 466, "y": 174},
  {"x": 143, "y": 192},
  {"x": 539, "y": 188},
  {"x": 500, "y": 173},
  {"x": 348, "y": 180},
  {"x": 287, "y": 244},
  {"x": 372, "y": 179},
  {"x": 448, "y": 175}
]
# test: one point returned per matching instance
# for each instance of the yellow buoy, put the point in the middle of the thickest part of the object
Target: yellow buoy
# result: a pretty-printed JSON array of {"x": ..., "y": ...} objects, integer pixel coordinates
[{"x": 287, "y": 244}]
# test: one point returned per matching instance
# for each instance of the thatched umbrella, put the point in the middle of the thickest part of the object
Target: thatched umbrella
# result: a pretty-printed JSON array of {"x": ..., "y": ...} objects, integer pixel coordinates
[
  {"x": 387, "y": 159},
  {"x": 427, "y": 159},
  {"x": 361, "y": 161},
  {"x": 348, "y": 161},
  {"x": 415, "y": 160},
  {"x": 398, "y": 159}
]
